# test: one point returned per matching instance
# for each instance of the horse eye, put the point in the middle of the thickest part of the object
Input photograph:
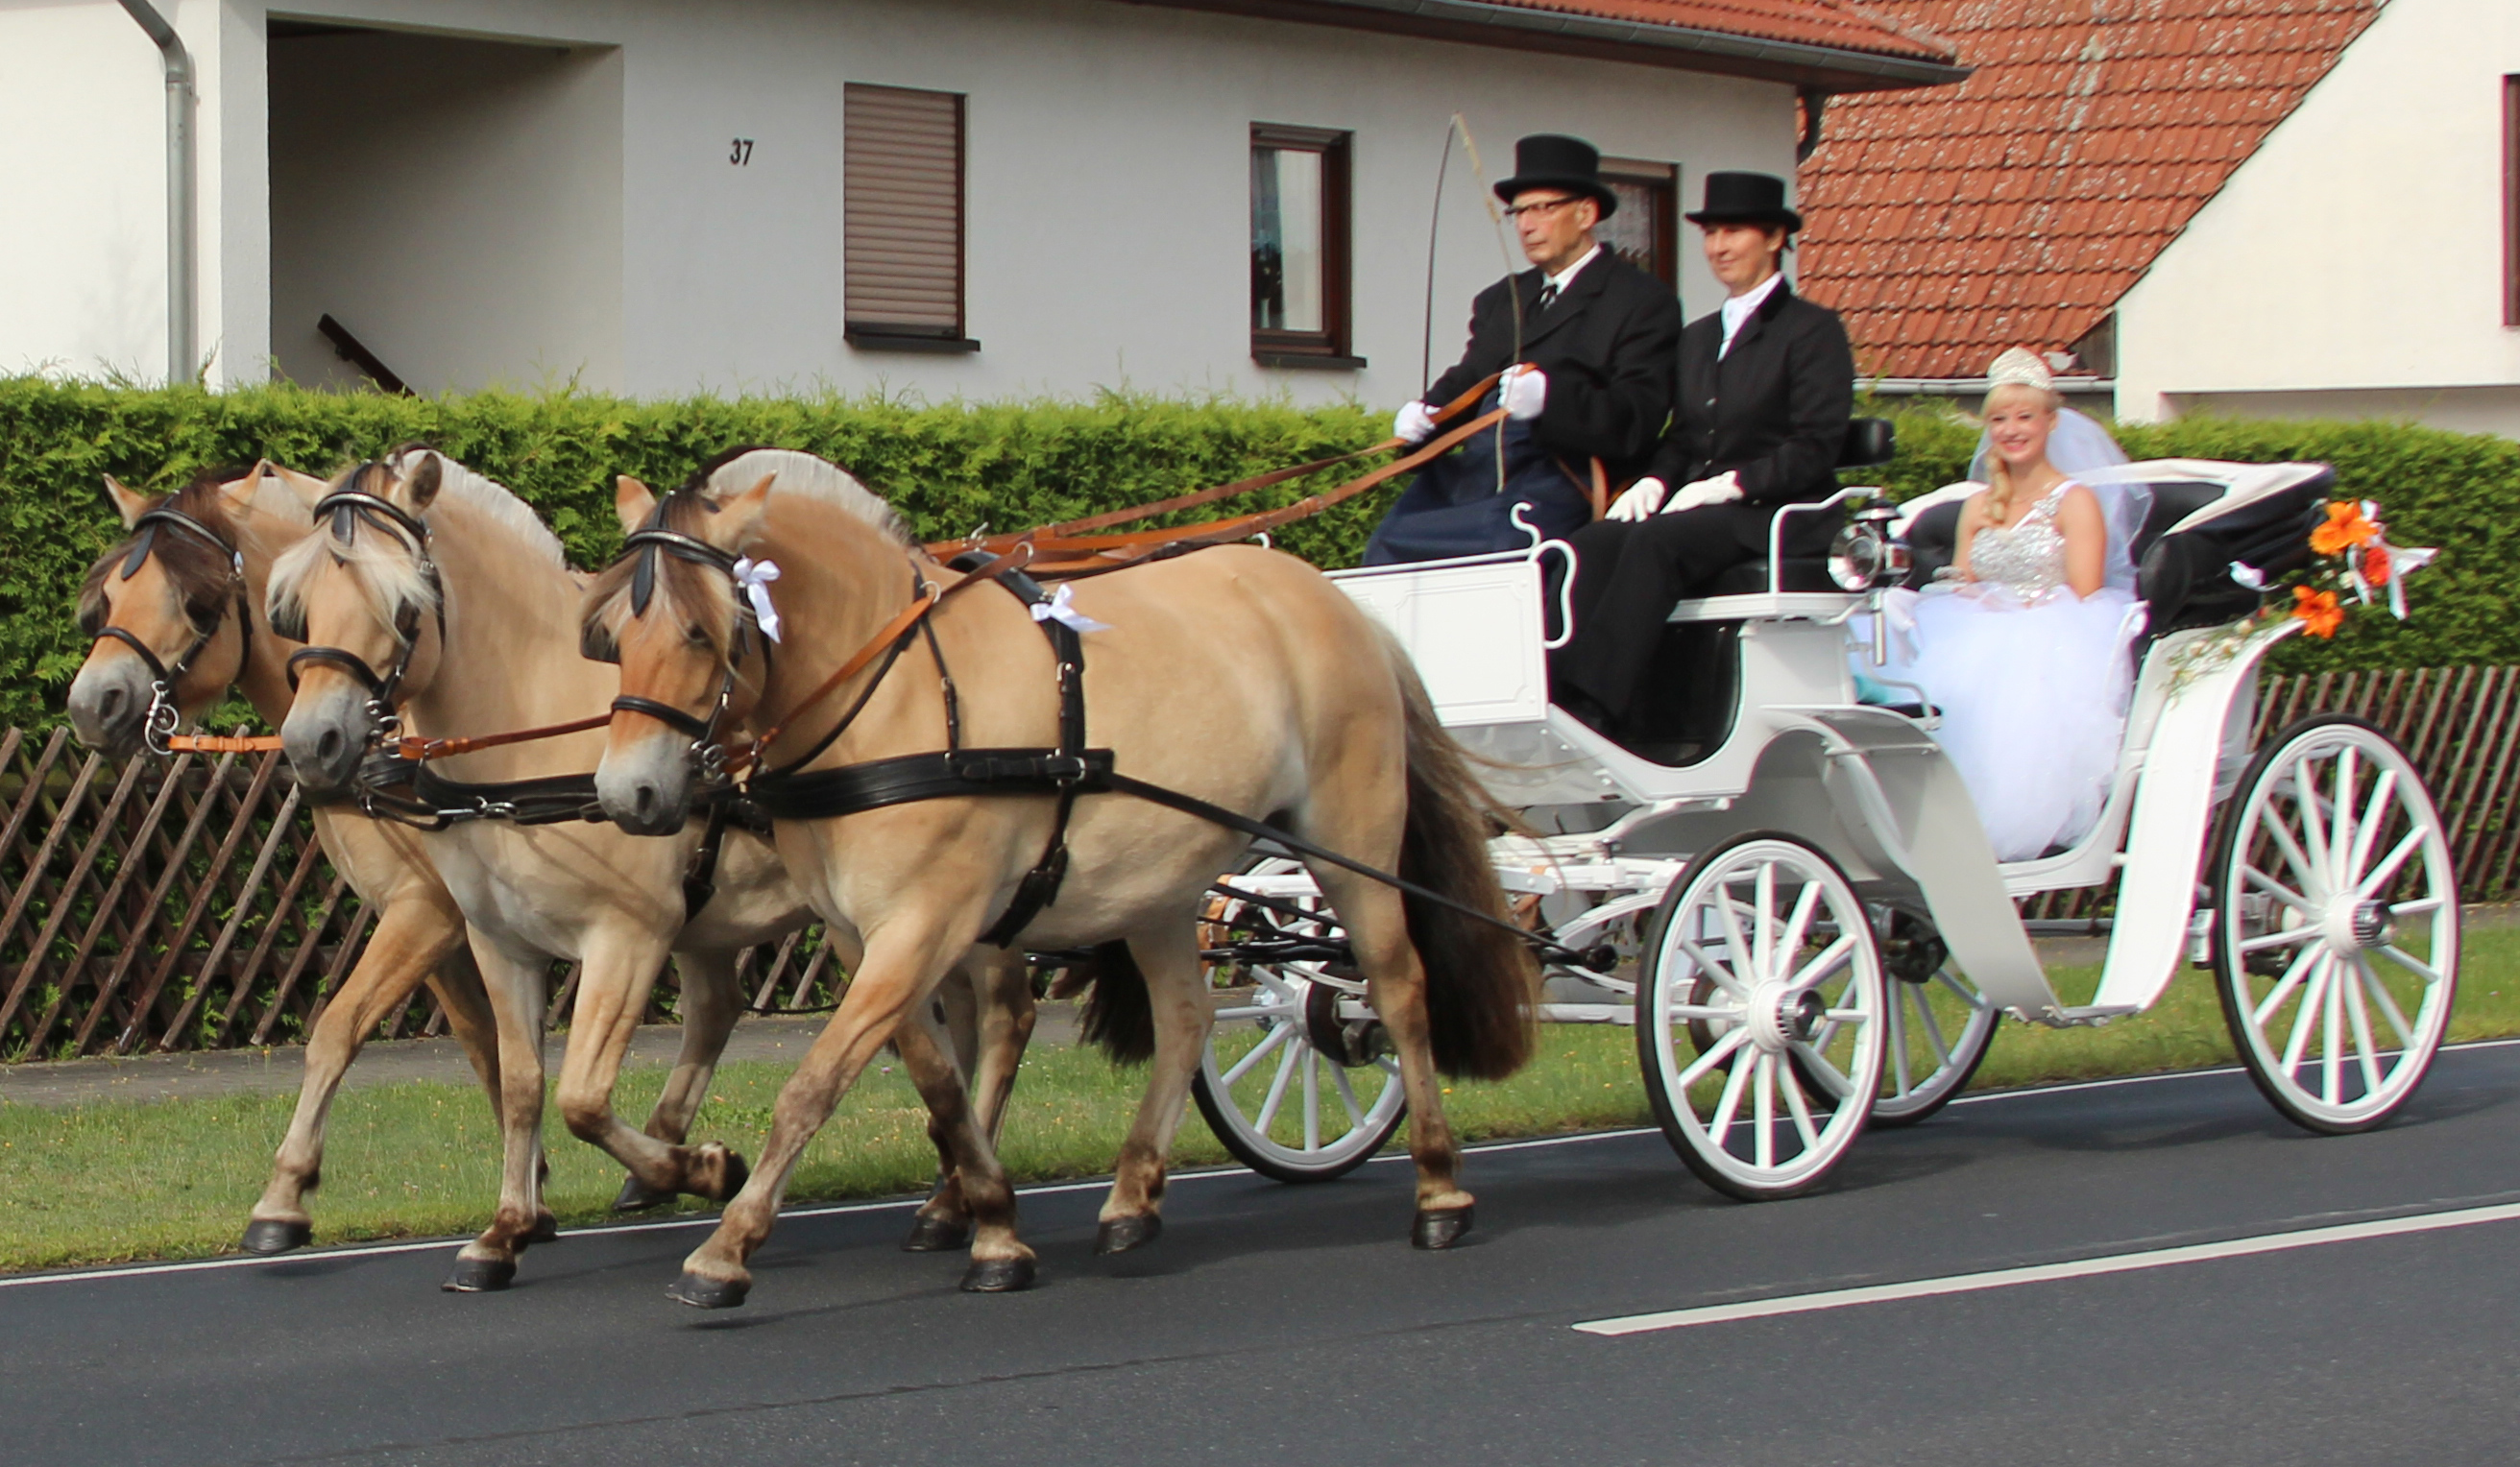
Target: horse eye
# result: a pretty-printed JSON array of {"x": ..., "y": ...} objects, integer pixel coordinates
[{"x": 696, "y": 635}]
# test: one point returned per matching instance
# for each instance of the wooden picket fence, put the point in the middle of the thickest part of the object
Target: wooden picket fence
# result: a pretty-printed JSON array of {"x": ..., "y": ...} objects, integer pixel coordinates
[{"x": 184, "y": 904}]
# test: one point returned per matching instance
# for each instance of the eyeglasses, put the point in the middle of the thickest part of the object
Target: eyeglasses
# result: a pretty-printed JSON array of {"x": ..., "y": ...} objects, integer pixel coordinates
[{"x": 1540, "y": 205}]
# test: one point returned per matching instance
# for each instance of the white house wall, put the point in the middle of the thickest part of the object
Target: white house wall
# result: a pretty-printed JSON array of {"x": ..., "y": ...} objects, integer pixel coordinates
[
  {"x": 2354, "y": 264},
  {"x": 1107, "y": 178}
]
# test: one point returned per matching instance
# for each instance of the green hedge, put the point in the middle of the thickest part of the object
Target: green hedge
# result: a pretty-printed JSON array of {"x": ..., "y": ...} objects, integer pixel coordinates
[{"x": 956, "y": 467}]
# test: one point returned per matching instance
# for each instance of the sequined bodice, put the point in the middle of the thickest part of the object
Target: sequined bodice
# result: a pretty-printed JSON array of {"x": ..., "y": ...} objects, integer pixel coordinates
[{"x": 2026, "y": 557}]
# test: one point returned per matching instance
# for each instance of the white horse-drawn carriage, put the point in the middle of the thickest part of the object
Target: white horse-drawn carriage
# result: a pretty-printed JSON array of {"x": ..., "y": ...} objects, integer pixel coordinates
[{"x": 1794, "y": 902}]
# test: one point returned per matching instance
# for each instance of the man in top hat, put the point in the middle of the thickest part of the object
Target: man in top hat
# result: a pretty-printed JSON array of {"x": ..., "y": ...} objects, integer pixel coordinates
[
  {"x": 1588, "y": 344},
  {"x": 1767, "y": 387}
]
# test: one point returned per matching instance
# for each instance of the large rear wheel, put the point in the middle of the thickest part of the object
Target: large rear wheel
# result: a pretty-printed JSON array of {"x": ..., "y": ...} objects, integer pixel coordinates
[
  {"x": 1760, "y": 1024},
  {"x": 1940, "y": 1025},
  {"x": 2336, "y": 924}
]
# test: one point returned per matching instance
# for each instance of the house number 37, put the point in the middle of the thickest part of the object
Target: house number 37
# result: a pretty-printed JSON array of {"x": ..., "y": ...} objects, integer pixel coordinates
[{"x": 741, "y": 154}]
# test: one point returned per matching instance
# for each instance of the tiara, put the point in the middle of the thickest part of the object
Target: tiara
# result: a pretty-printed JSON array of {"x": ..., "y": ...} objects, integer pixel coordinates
[{"x": 2018, "y": 366}]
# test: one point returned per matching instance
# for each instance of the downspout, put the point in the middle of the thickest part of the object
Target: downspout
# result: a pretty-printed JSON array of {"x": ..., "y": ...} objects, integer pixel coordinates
[
  {"x": 1815, "y": 102},
  {"x": 181, "y": 363}
]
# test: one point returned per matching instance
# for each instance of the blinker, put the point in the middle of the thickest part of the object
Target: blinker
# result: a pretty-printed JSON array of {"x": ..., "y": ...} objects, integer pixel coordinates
[{"x": 139, "y": 556}]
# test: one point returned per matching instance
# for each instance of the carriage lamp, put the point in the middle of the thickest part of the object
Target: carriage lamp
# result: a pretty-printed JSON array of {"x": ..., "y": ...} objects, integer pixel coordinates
[{"x": 1863, "y": 553}]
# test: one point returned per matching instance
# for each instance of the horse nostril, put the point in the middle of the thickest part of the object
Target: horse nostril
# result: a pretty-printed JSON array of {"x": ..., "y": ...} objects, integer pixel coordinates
[
  {"x": 329, "y": 747},
  {"x": 109, "y": 707},
  {"x": 646, "y": 802}
]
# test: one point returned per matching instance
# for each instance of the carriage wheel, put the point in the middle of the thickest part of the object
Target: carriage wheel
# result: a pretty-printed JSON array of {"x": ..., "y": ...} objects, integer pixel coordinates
[
  {"x": 1296, "y": 1081},
  {"x": 1940, "y": 1025},
  {"x": 1765, "y": 950},
  {"x": 2335, "y": 924}
]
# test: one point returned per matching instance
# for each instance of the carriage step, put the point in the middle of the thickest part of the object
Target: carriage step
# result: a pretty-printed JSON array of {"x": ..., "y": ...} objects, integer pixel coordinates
[
  {"x": 2096, "y": 1014},
  {"x": 1587, "y": 1013}
]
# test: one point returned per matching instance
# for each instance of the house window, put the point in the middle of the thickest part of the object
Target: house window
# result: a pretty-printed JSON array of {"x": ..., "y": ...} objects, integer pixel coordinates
[
  {"x": 902, "y": 220},
  {"x": 1645, "y": 230},
  {"x": 1299, "y": 247},
  {"x": 2511, "y": 201}
]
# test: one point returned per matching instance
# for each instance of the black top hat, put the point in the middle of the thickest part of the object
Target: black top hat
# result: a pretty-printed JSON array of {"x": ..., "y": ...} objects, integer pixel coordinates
[
  {"x": 1746, "y": 199},
  {"x": 1548, "y": 160}
]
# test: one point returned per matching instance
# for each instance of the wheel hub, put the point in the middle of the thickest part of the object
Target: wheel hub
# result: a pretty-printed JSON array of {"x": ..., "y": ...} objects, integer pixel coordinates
[
  {"x": 1778, "y": 1020},
  {"x": 2349, "y": 926},
  {"x": 1351, "y": 1042}
]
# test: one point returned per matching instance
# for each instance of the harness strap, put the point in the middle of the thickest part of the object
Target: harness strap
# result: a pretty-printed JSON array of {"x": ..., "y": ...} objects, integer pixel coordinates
[
  {"x": 665, "y": 713},
  {"x": 853, "y": 789}
]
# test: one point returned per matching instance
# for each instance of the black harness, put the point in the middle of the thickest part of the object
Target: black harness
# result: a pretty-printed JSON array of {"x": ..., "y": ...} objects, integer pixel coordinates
[
  {"x": 164, "y": 716},
  {"x": 347, "y": 509}
]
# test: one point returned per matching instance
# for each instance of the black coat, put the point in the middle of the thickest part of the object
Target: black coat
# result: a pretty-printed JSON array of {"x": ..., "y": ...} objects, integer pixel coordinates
[
  {"x": 1774, "y": 409},
  {"x": 1608, "y": 346}
]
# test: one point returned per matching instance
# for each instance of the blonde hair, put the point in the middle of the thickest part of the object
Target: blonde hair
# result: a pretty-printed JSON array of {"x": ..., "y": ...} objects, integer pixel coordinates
[{"x": 1999, "y": 487}]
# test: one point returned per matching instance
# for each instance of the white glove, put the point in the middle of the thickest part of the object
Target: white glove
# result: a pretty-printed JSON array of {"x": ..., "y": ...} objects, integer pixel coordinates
[
  {"x": 1723, "y": 489},
  {"x": 1525, "y": 390},
  {"x": 1643, "y": 498},
  {"x": 1412, "y": 424}
]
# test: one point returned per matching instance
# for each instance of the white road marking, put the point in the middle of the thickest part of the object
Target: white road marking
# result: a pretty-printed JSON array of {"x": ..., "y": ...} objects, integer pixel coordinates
[
  {"x": 2005, "y": 1279},
  {"x": 1045, "y": 1189}
]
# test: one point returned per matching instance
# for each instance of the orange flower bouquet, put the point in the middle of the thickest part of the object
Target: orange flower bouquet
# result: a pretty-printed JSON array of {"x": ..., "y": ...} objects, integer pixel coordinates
[{"x": 2350, "y": 557}]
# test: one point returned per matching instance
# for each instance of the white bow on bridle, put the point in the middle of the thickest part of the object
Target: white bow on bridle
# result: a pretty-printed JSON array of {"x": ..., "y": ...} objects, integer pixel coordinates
[
  {"x": 755, "y": 576},
  {"x": 1059, "y": 609}
]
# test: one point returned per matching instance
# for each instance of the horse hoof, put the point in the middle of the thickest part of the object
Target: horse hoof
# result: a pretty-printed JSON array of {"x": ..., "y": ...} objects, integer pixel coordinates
[
  {"x": 637, "y": 1197},
  {"x": 732, "y": 1174},
  {"x": 1121, "y": 1234},
  {"x": 704, "y": 1293},
  {"x": 1440, "y": 1229},
  {"x": 479, "y": 1275},
  {"x": 998, "y": 1275},
  {"x": 933, "y": 1235},
  {"x": 546, "y": 1229},
  {"x": 270, "y": 1235}
]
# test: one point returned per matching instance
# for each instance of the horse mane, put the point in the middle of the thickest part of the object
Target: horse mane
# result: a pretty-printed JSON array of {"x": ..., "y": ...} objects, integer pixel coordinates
[
  {"x": 199, "y": 573},
  {"x": 494, "y": 500},
  {"x": 681, "y": 584}
]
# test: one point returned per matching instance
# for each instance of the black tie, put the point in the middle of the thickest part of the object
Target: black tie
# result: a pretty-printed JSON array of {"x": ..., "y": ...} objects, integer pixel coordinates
[{"x": 1548, "y": 296}]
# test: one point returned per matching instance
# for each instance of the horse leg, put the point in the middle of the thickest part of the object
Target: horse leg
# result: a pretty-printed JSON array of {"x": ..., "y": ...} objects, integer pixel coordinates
[
  {"x": 983, "y": 1204},
  {"x": 943, "y": 1222},
  {"x": 904, "y": 961},
  {"x": 457, "y": 982},
  {"x": 409, "y": 938},
  {"x": 1395, "y": 983},
  {"x": 711, "y": 1004},
  {"x": 516, "y": 985},
  {"x": 621, "y": 973},
  {"x": 988, "y": 1007},
  {"x": 1177, "y": 992}
]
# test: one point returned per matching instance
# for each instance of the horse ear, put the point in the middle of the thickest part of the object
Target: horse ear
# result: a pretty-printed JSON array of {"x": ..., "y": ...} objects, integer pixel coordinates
[
  {"x": 420, "y": 486},
  {"x": 633, "y": 501},
  {"x": 741, "y": 515},
  {"x": 126, "y": 502},
  {"x": 596, "y": 641},
  {"x": 305, "y": 486},
  {"x": 238, "y": 494}
]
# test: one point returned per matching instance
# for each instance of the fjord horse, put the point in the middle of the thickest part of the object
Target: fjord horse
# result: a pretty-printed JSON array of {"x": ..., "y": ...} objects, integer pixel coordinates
[
  {"x": 188, "y": 586},
  {"x": 429, "y": 583},
  {"x": 1238, "y": 675}
]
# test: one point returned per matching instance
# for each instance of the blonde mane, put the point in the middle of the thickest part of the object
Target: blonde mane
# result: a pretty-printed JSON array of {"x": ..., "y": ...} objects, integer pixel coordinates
[
  {"x": 810, "y": 477},
  {"x": 390, "y": 577}
]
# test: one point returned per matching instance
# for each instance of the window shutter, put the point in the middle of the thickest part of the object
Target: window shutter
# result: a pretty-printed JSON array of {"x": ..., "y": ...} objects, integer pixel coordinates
[{"x": 903, "y": 188}]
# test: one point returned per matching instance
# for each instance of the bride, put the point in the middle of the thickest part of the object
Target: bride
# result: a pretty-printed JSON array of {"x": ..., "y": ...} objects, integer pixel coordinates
[{"x": 2022, "y": 643}]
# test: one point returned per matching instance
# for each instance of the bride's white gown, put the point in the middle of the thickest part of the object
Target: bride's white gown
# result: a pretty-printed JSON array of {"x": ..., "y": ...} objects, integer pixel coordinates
[{"x": 2032, "y": 681}]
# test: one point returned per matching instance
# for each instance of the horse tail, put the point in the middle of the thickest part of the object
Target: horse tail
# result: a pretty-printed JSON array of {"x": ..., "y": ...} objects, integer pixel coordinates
[
  {"x": 1482, "y": 983},
  {"x": 1119, "y": 1017}
]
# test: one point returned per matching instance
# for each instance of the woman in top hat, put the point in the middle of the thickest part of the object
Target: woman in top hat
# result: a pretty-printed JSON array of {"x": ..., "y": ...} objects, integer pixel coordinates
[
  {"x": 1590, "y": 345},
  {"x": 1767, "y": 387}
]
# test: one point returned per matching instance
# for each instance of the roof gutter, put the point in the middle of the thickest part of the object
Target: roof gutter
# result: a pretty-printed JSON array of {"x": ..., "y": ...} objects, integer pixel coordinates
[
  {"x": 181, "y": 363},
  {"x": 1973, "y": 386},
  {"x": 1674, "y": 41}
]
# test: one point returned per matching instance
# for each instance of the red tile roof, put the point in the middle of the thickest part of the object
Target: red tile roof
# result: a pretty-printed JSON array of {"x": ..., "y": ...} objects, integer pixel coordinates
[
  {"x": 1812, "y": 23},
  {"x": 1948, "y": 223}
]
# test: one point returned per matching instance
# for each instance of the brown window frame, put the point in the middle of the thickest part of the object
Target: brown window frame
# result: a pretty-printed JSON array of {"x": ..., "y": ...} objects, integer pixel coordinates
[
  {"x": 1664, "y": 180},
  {"x": 876, "y": 334},
  {"x": 2511, "y": 201},
  {"x": 1331, "y": 346}
]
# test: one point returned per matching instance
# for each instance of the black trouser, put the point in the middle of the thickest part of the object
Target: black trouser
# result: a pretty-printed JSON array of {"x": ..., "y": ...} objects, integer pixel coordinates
[{"x": 1628, "y": 577}]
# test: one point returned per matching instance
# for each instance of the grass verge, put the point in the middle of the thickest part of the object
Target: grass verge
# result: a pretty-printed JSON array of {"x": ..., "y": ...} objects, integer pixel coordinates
[{"x": 110, "y": 1180}]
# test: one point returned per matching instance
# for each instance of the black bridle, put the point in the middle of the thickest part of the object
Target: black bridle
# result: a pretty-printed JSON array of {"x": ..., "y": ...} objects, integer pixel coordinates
[
  {"x": 647, "y": 542},
  {"x": 164, "y": 716},
  {"x": 347, "y": 509}
]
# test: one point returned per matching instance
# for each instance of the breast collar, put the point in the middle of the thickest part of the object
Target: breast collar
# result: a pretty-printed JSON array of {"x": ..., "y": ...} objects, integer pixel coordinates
[{"x": 164, "y": 716}]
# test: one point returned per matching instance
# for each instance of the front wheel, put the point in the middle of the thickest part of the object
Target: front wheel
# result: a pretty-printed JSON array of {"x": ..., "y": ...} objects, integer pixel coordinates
[
  {"x": 1760, "y": 1024},
  {"x": 2335, "y": 924}
]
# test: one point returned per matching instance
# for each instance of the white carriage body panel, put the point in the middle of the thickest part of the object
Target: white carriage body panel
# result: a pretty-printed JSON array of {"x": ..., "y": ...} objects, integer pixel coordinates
[{"x": 1473, "y": 627}]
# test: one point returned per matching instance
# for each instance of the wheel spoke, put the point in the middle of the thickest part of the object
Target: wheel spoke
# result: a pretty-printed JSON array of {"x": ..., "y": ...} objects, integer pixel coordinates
[
  {"x": 1800, "y": 924},
  {"x": 1705, "y": 1012},
  {"x": 1829, "y": 959},
  {"x": 2340, "y": 833},
  {"x": 1765, "y": 957},
  {"x": 2410, "y": 963},
  {"x": 1252, "y": 1011},
  {"x": 2365, "y": 1054},
  {"x": 1276, "y": 1036},
  {"x": 2331, "y": 1060},
  {"x": 2305, "y": 786},
  {"x": 2272, "y": 821},
  {"x": 2300, "y": 967},
  {"x": 2280, "y": 892},
  {"x": 1278, "y": 1087},
  {"x": 1933, "y": 1031},
  {"x": 1724, "y": 1046},
  {"x": 1347, "y": 1096},
  {"x": 1798, "y": 1108},
  {"x": 1944, "y": 977},
  {"x": 2283, "y": 939},
  {"x": 1898, "y": 1042},
  {"x": 2312, "y": 999},
  {"x": 1715, "y": 972},
  {"x": 1763, "y": 1138},
  {"x": 2386, "y": 871},
  {"x": 1313, "y": 1063},
  {"x": 2380, "y": 995},
  {"x": 1729, "y": 1105},
  {"x": 1830, "y": 1077},
  {"x": 2367, "y": 828}
]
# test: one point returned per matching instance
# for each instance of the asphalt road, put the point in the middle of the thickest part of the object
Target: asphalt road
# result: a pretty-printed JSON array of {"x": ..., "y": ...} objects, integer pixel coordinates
[{"x": 1275, "y": 1324}]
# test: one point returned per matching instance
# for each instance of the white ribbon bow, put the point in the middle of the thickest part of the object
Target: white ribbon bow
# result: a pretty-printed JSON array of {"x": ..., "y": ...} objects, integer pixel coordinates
[
  {"x": 2392, "y": 568},
  {"x": 755, "y": 576},
  {"x": 1059, "y": 610}
]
